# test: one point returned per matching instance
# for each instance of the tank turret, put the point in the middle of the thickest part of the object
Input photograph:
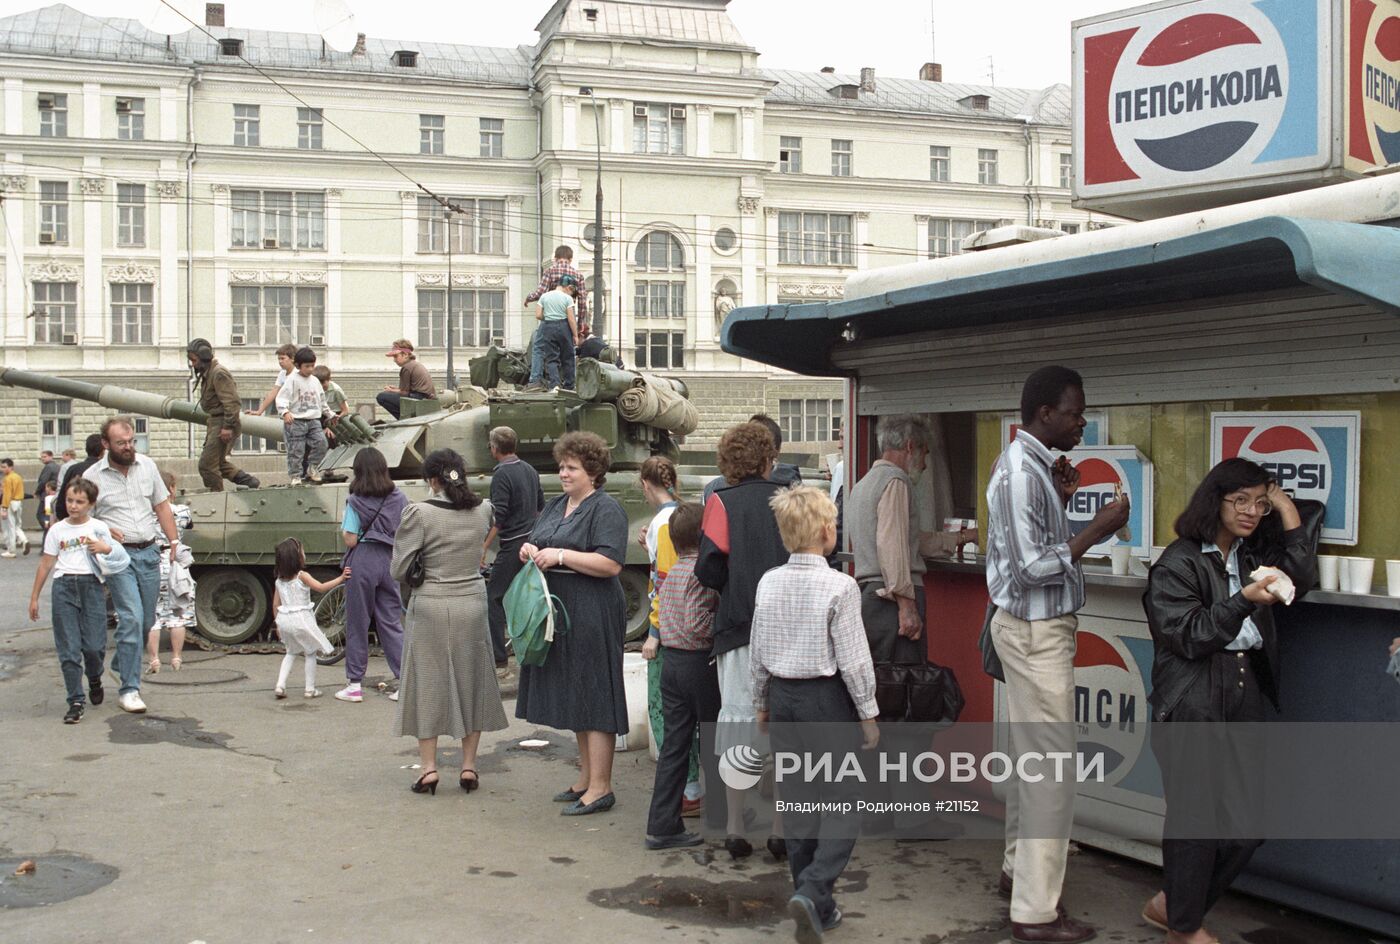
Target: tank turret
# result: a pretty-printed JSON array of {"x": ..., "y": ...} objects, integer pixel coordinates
[{"x": 234, "y": 532}]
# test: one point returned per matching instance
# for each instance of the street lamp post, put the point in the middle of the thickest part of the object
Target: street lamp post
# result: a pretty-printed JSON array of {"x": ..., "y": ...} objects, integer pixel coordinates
[
  {"x": 597, "y": 208},
  {"x": 451, "y": 328}
]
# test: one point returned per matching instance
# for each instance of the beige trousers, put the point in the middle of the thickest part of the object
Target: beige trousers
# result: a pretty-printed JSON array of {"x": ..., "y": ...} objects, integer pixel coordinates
[{"x": 1038, "y": 658}]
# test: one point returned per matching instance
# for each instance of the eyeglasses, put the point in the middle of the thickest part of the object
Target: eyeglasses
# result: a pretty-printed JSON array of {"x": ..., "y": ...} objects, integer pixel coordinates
[{"x": 1244, "y": 505}]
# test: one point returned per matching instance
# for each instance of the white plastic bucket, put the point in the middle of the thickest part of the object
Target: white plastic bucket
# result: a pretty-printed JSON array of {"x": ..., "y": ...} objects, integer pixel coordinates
[{"x": 634, "y": 685}]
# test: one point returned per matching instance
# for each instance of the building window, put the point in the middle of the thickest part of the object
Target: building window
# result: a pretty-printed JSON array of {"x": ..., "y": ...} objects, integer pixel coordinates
[
  {"x": 940, "y": 164},
  {"x": 658, "y": 129},
  {"x": 493, "y": 137},
  {"x": 246, "y": 441},
  {"x": 53, "y": 212},
  {"x": 53, "y": 115},
  {"x": 480, "y": 318},
  {"x": 479, "y": 229},
  {"x": 55, "y": 312},
  {"x": 131, "y": 119},
  {"x": 945, "y": 236},
  {"x": 660, "y": 252},
  {"x": 55, "y": 425},
  {"x": 810, "y": 420},
  {"x": 816, "y": 239},
  {"x": 1066, "y": 171},
  {"x": 430, "y": 133},
  {"x": 245, "y": 125},
  {"x": 271, "y": 315},
  {"x": 131, "y": 214},
  {"x": 986, "y": 166},
  {"x": 789, "y": 155},
  {"x": 841, "y": 152},
  {"x": 659, "y": 299},
  {"x": 660, "y": 350},
  {"x": 133, "y": 312},
  {"x": 277, "y": 219},
  {"x": 309, "y": 128},
  {"x": 141, "y": 426},
  {"x": 1069, "y": 229}
]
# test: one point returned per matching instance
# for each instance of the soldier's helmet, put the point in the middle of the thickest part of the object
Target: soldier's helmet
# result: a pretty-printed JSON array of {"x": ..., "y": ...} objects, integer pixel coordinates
[{"x": 200, "y": 349}]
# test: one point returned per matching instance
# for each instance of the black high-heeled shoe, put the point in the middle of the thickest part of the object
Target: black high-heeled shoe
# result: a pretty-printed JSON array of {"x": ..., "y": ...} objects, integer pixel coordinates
[
  {"x": 777, "y": 848},
  {"x": 421, "y": 786},
  {"x": 737, "y": 846},
  {"x": 469, "y": 785}
]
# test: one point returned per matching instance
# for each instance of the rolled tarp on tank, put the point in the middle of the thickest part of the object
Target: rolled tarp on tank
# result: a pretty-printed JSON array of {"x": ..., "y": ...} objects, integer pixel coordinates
[{"x": 659, "y": 402}]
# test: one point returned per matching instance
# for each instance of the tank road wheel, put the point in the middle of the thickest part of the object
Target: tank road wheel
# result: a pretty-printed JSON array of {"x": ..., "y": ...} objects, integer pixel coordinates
[
  {"x": 634, "y": 591},
  {"x": 330, "y": 616},
  {"x": 231, "y": 603}
]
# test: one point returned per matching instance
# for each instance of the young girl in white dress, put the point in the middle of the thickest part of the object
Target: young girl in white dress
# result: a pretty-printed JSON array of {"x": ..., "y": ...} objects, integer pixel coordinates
[{"x": 294, "y": 615}]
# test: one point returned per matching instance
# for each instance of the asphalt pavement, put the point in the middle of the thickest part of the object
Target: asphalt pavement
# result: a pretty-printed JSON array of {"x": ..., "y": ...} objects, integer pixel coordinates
[{"x": 225, "y": 816}]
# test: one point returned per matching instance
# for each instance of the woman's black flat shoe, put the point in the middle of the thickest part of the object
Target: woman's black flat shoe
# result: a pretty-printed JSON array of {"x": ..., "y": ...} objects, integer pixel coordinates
[
  {"x": 419, "y": 786},
  {"x": 737, "y": 846},
  {"x": 469, "y": 783},
  {"x": 777, "y": 848},
  {"x": 601, "y": 805},
  {"x": 568, "y": 796}
]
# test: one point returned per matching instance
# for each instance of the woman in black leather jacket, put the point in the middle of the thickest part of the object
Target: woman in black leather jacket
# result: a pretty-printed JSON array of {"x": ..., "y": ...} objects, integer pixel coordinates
[{"x": 1216, "y": 659}]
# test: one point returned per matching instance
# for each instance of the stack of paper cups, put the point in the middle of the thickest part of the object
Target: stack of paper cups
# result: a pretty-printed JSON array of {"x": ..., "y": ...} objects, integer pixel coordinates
[
  {"x": 1360, "y": 572},
  {"x": 1392, "y": 578},
  {"x": 1328, "y": 572}
]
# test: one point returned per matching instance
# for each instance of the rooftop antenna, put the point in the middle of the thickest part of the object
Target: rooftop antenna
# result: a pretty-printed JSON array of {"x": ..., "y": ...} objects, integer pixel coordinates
[
  {"x": 932, "y": 31},
  {"x": 991, "y": 70},
  {"x": 336, "y": 23}
]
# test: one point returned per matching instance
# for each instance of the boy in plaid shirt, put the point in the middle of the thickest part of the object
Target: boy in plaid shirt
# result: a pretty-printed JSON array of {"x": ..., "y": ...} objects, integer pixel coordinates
[
  {"x": 689, "y": 684},
  {"x": 811, "y": 665}
]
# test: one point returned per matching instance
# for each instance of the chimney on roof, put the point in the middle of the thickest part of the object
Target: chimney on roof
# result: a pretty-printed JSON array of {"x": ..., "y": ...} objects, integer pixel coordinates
[
  {"x": 828, "y": 70},
  {"x": 867, "y": 79},
  {"x": 359, "y": 49},
  {"x": 931, "y": 72},
  {"x": 213, "y": 14}
]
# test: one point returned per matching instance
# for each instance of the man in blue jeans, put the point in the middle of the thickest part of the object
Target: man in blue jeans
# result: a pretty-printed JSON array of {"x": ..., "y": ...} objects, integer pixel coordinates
[
  {"x": 131, "y": 499},
  {"x": 557, "y": 336}
]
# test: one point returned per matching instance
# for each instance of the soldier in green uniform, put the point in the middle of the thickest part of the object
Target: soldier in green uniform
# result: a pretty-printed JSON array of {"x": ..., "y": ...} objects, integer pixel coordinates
[{"x": 218, "y": 398}]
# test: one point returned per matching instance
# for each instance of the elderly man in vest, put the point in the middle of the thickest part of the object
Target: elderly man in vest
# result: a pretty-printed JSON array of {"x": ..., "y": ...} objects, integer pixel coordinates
[{"x": 882, "y": 521}]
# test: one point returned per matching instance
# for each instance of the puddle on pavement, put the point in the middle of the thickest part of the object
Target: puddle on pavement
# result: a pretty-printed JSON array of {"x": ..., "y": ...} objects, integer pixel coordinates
[
  {"x": 9, "y": 666},
  {"x": 991, "y": 933},
  {"x": 759, "y": 901},
  {"x": 57, "y": 878},
  {"x": 84, "y": 758},
  {"x": 562, "y": 860},
  {"x": 152, "y": 729}
]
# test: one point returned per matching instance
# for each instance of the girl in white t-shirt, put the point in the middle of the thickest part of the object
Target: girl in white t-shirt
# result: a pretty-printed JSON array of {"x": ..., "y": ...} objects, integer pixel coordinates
[{"x": 81, "y": 552}]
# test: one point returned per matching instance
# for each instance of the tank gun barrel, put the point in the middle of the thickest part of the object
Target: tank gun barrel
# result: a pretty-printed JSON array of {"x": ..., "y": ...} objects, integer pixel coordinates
[{"x": 128, "y": 400}]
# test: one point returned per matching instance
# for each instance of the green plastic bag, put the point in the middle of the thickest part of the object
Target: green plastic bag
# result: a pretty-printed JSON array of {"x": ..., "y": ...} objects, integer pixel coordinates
[{"x": 533, "y": 615}]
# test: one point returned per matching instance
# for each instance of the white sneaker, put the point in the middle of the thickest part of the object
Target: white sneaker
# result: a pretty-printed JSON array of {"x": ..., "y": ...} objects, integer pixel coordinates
[
  {"x": 350, "y": 693},
  {"x": 311, "y": 693},
  {"x": 132, "y": 702},
  {"x": 394, "y": 695},
  {"x": 7, "y": 554},
  {"x": 294, "y": 482}
]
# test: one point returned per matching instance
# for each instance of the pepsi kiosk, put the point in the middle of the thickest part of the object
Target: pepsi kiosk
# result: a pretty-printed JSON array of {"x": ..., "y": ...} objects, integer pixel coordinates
[{"x": 1266, "y": 329}]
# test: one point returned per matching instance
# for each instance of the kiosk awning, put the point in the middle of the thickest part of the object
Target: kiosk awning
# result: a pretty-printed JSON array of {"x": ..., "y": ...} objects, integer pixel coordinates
[{"x": 1354, "y": 261}]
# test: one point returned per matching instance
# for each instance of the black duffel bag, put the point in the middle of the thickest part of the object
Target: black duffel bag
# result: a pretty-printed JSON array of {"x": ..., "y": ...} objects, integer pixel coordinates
[{"x": 923, "y": 692}]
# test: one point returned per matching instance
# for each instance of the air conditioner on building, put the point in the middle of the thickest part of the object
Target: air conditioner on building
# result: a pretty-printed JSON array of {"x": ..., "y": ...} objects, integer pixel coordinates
[
  {"x": 269, "y": 243},
  {"x": 318, "y": 340},
  {"x": 47, "y": 239},
  {"x": 236, "y": 340},
  {"x": 639, "y": 111},
  {"x": 70, "y": 339},
  {"x": 678, "y": 111},
  {"x": 46, "y": 102},
  {"x": 123, "y": 106}
]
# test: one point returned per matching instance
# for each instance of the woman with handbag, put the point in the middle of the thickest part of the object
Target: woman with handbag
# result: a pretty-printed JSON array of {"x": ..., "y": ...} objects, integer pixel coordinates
[
  {"x": 371, "y": 519},
  {"x": 1216, "y": 659},
  {"x": 449, "y": 673},
  {"x": 580, "y": 542}
]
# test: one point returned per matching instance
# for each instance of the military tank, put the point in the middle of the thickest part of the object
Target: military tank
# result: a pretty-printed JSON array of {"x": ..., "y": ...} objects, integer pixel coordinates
[{"x": 234, "y": 532}]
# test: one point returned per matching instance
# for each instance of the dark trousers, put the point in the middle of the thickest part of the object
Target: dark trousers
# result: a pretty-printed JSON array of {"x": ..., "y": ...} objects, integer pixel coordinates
[
  {"x": 689, "y": 700},
  {"x": 79, "y": 631},
  {"x": 214, "y": 464},
  {"x": 818, "y": 844},
  {"x": 391, "y": 401},
  {"x": 1208, "y": 782},
  {"x": 503, "y": 570},
  {"x": 557, "y": 347},
  {"x": 881, "y": 620},
  {"x": 370, "y": 591}
]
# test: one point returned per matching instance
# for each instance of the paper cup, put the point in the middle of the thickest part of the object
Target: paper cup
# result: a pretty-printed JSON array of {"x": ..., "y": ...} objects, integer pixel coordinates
[
  {"x": 1392, "y": 578},
  {"x": 1360, "y": 571},
  {"x": 1120, "y": 555},
  {"x": 1329, "y": 572}
]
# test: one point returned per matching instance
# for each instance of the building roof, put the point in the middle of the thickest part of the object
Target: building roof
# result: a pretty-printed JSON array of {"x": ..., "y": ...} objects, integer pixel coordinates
[
  {"x": 1047, "y": 106},
  {"x": 60, "y": 30},
  {"x": 1269, "y": 253},
  {"x": 684, "y": 22}
]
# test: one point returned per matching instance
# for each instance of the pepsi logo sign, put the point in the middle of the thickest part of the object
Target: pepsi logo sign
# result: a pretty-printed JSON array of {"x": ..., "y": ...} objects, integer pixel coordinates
[
  {"x": 1380, "y": 87},
  {"x": 1099, "y": 480},
  {"x": 1200, "y": 92},
  {"x": 1110, "y": 702},
  {"x": 1294, "y": 456}
]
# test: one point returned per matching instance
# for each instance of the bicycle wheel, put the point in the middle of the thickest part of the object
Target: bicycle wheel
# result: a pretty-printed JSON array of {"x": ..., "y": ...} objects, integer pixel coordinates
[{"x": 330, "y": 616}]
